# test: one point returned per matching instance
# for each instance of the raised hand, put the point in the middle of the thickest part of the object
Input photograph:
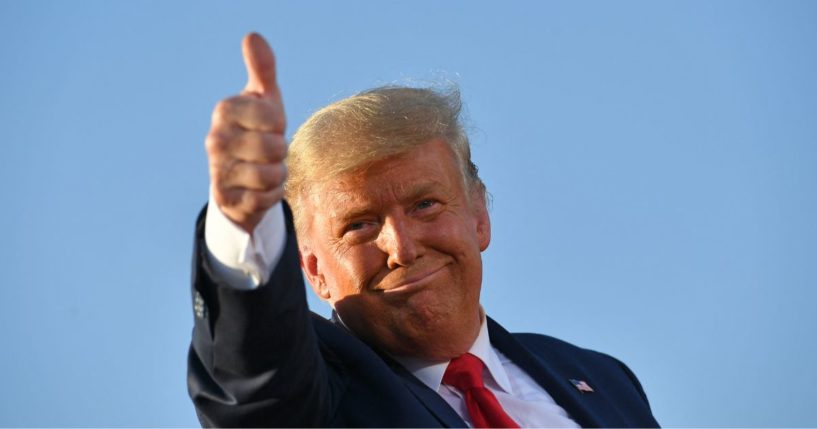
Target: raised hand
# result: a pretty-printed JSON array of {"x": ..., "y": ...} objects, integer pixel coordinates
[{"x": 245, "y": 145}]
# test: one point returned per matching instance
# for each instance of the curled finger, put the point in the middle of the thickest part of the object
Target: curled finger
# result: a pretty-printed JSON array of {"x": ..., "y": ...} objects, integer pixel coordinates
[
  {"x": 250, "y": 113},
  {"x": 251, "y": 175},
  {"x": 261, "y": 147}
]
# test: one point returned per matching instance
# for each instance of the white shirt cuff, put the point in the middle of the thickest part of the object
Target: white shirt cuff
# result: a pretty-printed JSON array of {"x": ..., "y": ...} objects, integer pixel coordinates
[{"x": 241, "y": 260}]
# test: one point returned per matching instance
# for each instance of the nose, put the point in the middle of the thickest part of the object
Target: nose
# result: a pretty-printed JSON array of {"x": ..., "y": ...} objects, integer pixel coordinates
[{"x": 397, "y": 241}]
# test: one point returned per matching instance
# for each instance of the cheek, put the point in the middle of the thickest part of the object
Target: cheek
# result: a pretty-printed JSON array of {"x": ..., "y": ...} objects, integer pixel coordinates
[
  {"x": 355, "y": 269},
  {"x": 457, "y": 236}
]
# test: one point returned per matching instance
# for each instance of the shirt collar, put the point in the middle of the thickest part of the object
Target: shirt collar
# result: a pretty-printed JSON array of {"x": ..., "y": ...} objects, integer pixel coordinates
[{"x": 431, "y": 373}]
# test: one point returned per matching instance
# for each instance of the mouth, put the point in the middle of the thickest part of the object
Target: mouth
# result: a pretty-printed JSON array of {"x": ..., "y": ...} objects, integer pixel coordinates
[{"x": 413, "y": 283}]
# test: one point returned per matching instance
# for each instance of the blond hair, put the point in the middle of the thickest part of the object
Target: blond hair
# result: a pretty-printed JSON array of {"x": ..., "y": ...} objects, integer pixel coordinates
[{"x": 370, "y": 126}]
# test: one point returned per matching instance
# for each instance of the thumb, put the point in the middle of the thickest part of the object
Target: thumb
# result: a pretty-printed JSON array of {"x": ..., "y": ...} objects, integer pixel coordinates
[{"x": 260, "y": 66}]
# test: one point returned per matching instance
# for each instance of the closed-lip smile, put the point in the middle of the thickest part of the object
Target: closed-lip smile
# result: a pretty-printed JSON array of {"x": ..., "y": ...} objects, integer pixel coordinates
[{"x": 414, "y": 283}]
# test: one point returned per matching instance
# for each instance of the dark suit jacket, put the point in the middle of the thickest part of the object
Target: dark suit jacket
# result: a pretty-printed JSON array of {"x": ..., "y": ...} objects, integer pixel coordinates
[{"x": 260, "y": 358}]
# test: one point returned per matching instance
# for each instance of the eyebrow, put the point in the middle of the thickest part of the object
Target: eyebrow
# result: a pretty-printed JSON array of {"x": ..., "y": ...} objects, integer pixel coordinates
[
  {"x": 417, "y": 190},
  {"x": 409, "y": 192}
]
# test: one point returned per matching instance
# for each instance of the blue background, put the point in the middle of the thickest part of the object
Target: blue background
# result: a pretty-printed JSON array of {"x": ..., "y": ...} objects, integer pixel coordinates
[{"x": 652, "y": 166}]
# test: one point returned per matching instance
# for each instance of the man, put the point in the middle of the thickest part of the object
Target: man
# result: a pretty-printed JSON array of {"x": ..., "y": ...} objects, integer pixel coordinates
[{"x": 390, "y": 218}]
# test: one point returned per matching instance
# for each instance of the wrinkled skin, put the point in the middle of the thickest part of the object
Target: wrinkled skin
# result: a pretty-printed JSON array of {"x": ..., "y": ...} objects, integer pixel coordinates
[
  {"x": 395, "y": 249},
  {"x": 245, "y": 145}
]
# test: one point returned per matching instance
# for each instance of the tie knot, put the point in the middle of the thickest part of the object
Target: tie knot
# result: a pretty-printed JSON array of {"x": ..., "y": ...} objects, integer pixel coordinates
[{"x": 464, "y": 372}]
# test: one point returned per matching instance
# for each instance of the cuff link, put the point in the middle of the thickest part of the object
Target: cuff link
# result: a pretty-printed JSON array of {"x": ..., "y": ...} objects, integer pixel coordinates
[{"x": 198, "y": 306}]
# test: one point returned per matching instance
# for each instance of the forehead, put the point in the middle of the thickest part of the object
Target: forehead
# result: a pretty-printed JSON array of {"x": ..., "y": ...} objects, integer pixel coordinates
[{"x": 428, "y": 168}]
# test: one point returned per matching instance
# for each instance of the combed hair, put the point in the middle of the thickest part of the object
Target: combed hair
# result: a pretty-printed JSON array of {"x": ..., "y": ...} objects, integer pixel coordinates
[{"x": 370, "y": 126}]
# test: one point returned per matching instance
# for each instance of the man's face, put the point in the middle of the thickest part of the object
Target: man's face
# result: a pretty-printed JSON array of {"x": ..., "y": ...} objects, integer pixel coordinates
[{"x": 395, "y": 248}]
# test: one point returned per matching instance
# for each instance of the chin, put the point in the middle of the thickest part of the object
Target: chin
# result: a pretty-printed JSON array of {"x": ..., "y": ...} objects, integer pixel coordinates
[{"x": 439, "y": 341}]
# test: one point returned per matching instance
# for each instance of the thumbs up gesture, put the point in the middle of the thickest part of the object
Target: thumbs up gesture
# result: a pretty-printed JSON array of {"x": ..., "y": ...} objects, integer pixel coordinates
[{"x": 245, "y": 145}]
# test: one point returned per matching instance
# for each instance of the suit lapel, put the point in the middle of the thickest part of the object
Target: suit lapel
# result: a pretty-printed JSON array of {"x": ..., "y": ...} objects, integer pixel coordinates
[
  {"x": 557, "y": 385},
  {"x": 430, "y": 399},
  {"x": 434, "y": 403}
]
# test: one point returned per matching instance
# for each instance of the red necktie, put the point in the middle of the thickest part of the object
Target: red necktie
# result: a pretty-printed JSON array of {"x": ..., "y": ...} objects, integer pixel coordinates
[{"x": 465, "y": 374}]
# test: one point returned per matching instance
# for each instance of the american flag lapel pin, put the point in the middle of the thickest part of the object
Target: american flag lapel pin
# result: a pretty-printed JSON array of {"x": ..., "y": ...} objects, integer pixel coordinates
[{"x": 581, "y": 385}]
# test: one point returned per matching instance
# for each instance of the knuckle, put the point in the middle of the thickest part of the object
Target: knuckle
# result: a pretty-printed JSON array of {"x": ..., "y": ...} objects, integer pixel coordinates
[
  {"x": 274, "y": 176},
  {"x": 269, "y": 116},
  {"x": 257, "y": 177},
  {"x": 284, "y": 148},
  {"x": 215, "y": 143},
  {"x": 221, "y": 111},
  {"x": 249, "y": 176},
  {"x": 225, "y": 109},
  {"x": 279, "y": 117}
]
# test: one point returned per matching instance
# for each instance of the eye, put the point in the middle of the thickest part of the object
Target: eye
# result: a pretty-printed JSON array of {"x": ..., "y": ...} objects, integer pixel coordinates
[
  {"x": 355, "y": 226},
  {"x": 358, "y": 228},
  {"x": 425, "y": 204},
  {"x": 358, "y": 232}
]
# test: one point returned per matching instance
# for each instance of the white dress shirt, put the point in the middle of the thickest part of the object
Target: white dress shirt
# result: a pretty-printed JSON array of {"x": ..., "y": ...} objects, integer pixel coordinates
[
  {"x": 522, "y": 398},
  {"x": 245, "y": 261}
]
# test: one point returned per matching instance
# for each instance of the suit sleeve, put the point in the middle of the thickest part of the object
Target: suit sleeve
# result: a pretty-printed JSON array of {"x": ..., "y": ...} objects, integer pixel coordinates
[
  {"x": 254, "y": 359},
  {"x": 634, "y": 379}
]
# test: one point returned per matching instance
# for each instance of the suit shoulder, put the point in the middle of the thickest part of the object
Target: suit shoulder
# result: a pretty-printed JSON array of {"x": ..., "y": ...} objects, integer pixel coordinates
[
  {"x": 563, "y": 351},
  {"x": 552, "y": 346}
]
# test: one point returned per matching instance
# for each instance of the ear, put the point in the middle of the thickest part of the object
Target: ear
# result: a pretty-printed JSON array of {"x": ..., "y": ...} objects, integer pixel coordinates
[
  {"x": 311, "y": 267},
  {"x": 483, "y": 223}
]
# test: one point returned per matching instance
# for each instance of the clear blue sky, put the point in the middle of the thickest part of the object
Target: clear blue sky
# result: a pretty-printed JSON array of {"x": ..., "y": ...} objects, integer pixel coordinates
[{"x": 653, "y": 168}]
